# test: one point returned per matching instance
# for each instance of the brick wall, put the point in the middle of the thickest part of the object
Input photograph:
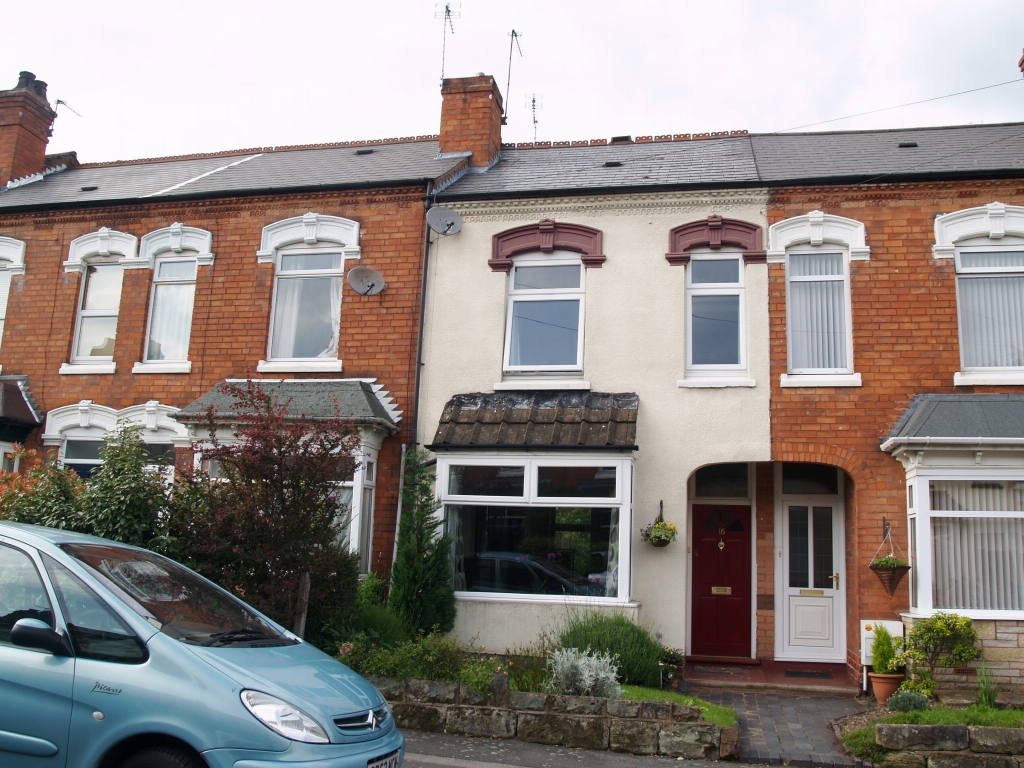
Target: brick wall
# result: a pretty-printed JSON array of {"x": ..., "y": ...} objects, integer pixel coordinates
[
  {"x": 766, "y": 559},
  {"x": 905, "y": 342},
  {"x": 231, "y": 314}
]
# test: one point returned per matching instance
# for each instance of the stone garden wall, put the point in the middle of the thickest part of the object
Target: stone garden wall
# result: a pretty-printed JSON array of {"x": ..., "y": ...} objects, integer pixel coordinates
[
  {"x": 951, "y": 746},
  {"x": 637, "y": 727}
]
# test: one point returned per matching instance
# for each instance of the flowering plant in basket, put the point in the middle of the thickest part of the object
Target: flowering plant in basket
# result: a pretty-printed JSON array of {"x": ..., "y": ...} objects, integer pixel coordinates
[{"x": 660, "y": 532}]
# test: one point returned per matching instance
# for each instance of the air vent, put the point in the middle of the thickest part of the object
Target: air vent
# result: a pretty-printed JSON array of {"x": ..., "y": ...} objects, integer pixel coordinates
[
  {"x": 89, "y": 189},
  {"x": 907, "y": 144},
  {"x": 364, "y": 151},
  {"x": 613, "y": 164}
]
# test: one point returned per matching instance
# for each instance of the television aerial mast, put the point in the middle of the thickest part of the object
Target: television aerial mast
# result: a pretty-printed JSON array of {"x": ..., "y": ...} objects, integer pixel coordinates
[{"x": 449, "y": 12}]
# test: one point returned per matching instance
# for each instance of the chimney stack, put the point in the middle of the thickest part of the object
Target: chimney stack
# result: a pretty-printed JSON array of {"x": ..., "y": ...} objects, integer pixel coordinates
[
  {"x": 26, "y": 123},
  {"x": 471, "y": 110}
]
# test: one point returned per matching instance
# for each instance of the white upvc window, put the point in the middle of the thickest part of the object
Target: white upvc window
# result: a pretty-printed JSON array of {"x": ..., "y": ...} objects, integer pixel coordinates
[
  {"x": 538, "y": 529},
  {"x": 170, "y": 309},
  {"x": 819, "y": 326},
  {"x": 966, "y": 542},
  {"x": 716, "y": 336},
  {"x": 98, "y": 306},
  {"x": 306, "y": 315},
  {"x": 9, "y": 461},
  {"x": 990, "y": 308},
  {"x": 544, "y": 323}
]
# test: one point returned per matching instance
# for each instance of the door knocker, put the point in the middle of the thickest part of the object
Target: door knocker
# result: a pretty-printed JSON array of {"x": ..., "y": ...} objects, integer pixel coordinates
[{"x": 721, "y": 545}]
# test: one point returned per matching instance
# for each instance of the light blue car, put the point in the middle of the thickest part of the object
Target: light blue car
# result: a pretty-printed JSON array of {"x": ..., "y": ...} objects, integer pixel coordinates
[{"x": 114, "y": 657}]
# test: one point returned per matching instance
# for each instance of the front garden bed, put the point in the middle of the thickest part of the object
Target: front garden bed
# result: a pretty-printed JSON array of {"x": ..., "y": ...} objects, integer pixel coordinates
[{"x": 668, "y": 728}]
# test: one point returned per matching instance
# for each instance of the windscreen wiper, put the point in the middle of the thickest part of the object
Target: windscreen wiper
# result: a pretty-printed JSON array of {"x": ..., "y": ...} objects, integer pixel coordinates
[{"x": 235, "y": 636}]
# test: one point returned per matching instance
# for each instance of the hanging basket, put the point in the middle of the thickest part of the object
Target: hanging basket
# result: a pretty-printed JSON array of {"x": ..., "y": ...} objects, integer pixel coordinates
[
  {"x": 660, "y": 542},
  {"x": 890, "y": 576}
]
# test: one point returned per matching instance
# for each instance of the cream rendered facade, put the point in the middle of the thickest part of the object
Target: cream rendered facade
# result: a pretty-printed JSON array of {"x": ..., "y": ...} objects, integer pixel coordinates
[{"x": 634, "y": 341}]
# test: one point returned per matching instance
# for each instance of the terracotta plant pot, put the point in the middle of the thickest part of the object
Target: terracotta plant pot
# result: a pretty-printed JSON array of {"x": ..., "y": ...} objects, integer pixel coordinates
[
  {"x": 884, "y": 686},
  {"x": 890, "y": 575},
  {"x": 661, "y": 542}
]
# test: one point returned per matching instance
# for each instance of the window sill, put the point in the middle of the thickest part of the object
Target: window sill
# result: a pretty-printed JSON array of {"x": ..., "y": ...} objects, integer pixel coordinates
[
  {"x": 716, "y": 382},
  {"x": 85, "y": 369},
  {"x": 542, "y": 384},
  {"x": 990, "y": 378},
  {"x": 299, "y": 366},
  {"x": 511, "y": 597},
  {"x": 178, "y": 367},
  {"x": 820, "y": 380}
]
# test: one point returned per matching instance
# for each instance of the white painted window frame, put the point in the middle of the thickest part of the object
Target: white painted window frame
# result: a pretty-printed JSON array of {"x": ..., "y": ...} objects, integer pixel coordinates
[
  {"x": 979, "y": 375},
  {"x": 7, "y": 449},
  {"x": 555, "y": 259},
  {"x": 919, "y": 477},
  {"x": 847, "y": 314},
  {"x": 12, "y": 261},
  {"x": 622, "y": 500},
  {"x": 166, "y": 366},
  {"x": 738, "y": 288},
  {"x": 315, "y": 231},
  {"x": 93, "y": 361}
]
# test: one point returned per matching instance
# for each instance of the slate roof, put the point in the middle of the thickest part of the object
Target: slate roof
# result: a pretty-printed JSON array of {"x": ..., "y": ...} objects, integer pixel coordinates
[
  {"x": 282, "y": 170},
  {"x": 554, "y": 419},
  {"x": 303, "y": 399},
  {"x": 962, "y": 417},
  {"x": 16, "y": 403},
  {"x": 753, "y": 160}
]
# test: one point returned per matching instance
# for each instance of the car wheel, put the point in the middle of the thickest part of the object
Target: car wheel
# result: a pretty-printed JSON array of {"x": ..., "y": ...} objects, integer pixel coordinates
[{"x": 163, "y": 757}]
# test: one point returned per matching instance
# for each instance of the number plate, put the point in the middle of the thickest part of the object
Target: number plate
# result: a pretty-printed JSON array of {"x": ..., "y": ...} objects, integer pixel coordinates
[{"x": 388, "y": 761}]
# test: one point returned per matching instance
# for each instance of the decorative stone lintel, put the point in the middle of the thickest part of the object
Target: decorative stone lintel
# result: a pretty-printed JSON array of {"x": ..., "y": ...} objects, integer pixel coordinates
[
  {"x": 715, "y": 232},
  {"x": 547, "y": 236}
]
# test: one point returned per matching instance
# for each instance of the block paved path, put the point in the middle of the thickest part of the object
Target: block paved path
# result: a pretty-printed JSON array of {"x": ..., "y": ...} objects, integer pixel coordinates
[{"x": 794, "y": 730}]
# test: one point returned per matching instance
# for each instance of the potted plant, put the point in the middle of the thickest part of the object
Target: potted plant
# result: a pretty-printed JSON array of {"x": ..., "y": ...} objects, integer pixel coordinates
[
  {"x": 660, "y": 532},
  {"x": 884, "y": 678}
]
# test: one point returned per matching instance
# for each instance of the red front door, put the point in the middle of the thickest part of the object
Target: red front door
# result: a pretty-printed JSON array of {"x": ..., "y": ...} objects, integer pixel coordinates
[{"x": 721, "y": 581}]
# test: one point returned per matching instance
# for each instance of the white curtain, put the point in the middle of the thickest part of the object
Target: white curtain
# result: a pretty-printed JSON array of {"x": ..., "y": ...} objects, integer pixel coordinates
[
  {"x": 366, "y": 531},
  {"x": 977, "y": 496},
  {"x": 307, "y": 317},
  {"x": 817, "y": 319},
  {"x": 992, "y": 321},
  {"x": 5, "y": 290},
  {"x": 612, "y": 587},
  {"x": 171, "y": 321},
  {"x": 978, "y": 563},
  {"x": 332, "y": 348}
]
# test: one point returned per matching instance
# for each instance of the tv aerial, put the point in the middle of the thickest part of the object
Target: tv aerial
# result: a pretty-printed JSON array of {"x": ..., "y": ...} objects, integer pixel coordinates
[
  {"x": 366, "y": 281},
  {"x": 444, "y": 221}
]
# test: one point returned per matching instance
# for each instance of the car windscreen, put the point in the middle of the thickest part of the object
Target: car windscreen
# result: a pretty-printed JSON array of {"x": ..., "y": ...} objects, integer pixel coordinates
[{"x": 174, "y": 599}]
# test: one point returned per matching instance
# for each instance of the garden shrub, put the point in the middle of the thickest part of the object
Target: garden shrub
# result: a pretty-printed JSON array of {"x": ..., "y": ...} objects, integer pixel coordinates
[
  {"x": 945, "y": 639},
  {"x": 371, "y": 590},
  {"x": 583, "y": 673},
  {"x": 528, "y": 665},
  {"x": 636, "y": 651},
  {"x": 987, "y": 689},
  {"x": 907, "y": 701},
  {"x": 883, "y": 652},
  {"x": 381, "y": 625}
]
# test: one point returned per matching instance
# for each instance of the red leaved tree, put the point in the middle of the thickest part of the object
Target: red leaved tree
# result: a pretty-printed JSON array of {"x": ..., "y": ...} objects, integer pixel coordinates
[{"x": 266, "y": 521}]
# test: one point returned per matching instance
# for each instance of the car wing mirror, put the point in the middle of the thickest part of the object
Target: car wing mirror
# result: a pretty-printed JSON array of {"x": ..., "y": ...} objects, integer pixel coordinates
[{"x": 33, "y": 633}]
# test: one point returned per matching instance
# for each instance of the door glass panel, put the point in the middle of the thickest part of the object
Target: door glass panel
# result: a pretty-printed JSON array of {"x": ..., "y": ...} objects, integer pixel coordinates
[
  {"x": 823, "y": 548},
  {"x": 22, "y": 595},
  {"x": 799, "y": 547}
]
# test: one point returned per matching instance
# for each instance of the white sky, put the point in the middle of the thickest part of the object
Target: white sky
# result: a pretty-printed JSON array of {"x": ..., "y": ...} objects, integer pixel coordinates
[{"x": 162, "y": 77}]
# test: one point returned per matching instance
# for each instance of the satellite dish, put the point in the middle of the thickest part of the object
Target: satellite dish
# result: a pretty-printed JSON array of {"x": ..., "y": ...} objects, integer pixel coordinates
[
  {"x": 366, "y": 281},
  {"x": 444, "y": 221}
]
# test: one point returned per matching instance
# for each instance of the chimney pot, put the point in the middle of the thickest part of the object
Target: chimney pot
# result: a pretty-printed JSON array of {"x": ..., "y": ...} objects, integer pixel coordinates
[{"x": 25, "y": 79}]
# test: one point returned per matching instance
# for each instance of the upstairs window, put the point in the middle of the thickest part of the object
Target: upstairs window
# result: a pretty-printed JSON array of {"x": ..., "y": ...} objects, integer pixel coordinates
[
  {"x": 307, "y": 305},
  {"x": 818, "y": 312},
  {"x": 714, "y": 298},
  {"x": 97, "y": 313},
  {"x": 5, "y": 292},
  {"x": 990, "y": 302},
  {"x": 544, "y": 328},
  {"x": 170, "y": 313}
]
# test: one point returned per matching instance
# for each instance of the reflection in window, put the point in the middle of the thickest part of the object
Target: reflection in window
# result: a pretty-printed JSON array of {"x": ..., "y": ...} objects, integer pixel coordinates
[
  {"x": 307, "y": 306},
  {"x": 545, "y": 317},
  {"x": 473, "y": 480},
  {"x": 170, "y": 320},
  {"x": 581, "y": 482},
  {"x": 97, "y": 313},
  {"x": 22, "y": 595},
  {"x": 536, "y": 550}
]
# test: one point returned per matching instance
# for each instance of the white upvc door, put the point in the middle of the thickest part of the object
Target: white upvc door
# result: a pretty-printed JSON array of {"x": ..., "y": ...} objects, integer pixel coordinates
[{"x": 811, "y": 604}]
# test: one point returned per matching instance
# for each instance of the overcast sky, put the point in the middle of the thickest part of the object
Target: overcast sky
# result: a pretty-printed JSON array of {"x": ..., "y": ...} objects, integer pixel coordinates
[{"x": 153, "y": 78}]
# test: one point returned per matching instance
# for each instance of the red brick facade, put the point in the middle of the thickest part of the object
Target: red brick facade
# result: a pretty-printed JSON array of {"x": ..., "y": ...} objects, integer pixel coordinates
[
  {"x": 905, "y": 343},
  {"x": 231, "y": 314}
]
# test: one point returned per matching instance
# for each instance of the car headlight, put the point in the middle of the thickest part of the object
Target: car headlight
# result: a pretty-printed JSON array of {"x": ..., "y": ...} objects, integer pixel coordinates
[{"x": 287, "y": 720}]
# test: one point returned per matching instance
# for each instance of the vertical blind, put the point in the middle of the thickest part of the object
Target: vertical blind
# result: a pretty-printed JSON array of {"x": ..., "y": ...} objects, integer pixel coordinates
[
  {"x": 817, "y": 312},
  {"x": 992, "y": 320},
  {"x": 978, "y": 562}
]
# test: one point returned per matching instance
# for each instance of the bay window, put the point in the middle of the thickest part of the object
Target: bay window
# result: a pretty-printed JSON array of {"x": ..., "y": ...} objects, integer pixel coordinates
[{"x": 539, "y": 528}]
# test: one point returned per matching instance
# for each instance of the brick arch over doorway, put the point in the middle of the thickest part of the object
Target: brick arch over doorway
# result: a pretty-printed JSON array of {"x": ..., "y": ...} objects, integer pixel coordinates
[{"x": 546, "y": 236}]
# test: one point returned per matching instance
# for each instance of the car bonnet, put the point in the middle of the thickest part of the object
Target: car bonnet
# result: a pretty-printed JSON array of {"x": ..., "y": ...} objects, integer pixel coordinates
[{"x": 299, "y": 674}]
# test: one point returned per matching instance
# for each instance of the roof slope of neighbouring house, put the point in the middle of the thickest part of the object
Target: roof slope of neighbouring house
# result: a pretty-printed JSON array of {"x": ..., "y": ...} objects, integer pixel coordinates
[{"x": 962, "y": 417}]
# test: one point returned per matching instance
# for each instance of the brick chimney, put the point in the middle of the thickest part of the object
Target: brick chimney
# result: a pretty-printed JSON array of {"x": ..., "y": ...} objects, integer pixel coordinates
[
  {"x": 26, "y": 123},
  {"x": 471, "y": 110}
]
